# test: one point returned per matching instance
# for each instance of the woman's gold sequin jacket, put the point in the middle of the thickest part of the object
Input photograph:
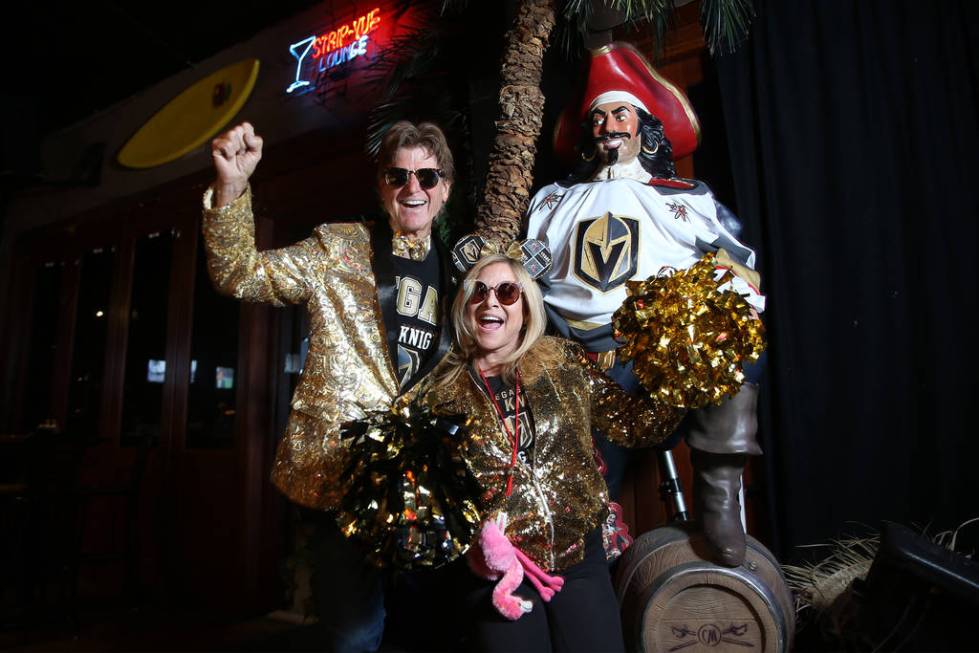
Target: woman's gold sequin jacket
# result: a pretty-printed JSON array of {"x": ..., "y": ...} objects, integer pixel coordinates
[
  {"x": 348, "y": 370},
  {"x": 562, "y": 497}
]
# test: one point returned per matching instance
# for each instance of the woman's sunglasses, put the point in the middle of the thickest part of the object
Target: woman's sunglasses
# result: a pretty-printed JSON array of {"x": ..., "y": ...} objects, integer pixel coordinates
[
  {"x": 507, "y": 293},
  {"x": 398, "y": 177}
]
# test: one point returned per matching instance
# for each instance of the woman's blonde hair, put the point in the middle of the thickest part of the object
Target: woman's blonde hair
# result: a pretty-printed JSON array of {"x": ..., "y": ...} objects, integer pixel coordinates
[{"x": 529, "y": 355}]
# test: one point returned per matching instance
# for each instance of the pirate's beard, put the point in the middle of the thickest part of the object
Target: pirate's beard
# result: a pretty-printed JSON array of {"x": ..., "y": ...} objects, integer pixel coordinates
[{"x": 612, "y": 156}]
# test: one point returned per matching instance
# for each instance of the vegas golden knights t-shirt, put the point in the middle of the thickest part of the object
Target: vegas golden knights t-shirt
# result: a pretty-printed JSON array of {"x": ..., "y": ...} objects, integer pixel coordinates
[
  {"x": 506, "y": 399},
  {"x": 417, "y": 308}
]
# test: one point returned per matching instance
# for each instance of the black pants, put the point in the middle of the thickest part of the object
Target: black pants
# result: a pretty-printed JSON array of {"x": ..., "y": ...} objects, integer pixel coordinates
[
  {"x": 347, "y": 590},
  {"x": 583, "y": 616}
]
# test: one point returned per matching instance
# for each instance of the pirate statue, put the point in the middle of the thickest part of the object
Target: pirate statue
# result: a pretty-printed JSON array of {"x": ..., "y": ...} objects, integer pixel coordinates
[{"x": 623, "y": 214}]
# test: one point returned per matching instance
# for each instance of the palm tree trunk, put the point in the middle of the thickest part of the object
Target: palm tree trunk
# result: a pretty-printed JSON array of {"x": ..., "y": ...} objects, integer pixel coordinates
[{"x": 511, "y": 161}]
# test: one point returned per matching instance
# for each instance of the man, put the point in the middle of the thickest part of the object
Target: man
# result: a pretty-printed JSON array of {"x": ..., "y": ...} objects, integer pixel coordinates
[
  {"x": 624, "y": 215},
  {"x": 378, "y": 299}
]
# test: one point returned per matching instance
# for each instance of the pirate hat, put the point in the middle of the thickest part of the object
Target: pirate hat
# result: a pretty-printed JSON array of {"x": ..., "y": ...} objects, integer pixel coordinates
[{"x": 618, "y": 71}]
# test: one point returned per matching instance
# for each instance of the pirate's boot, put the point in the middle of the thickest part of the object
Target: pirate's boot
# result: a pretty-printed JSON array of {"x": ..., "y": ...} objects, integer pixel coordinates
[{"x": 720, "y": 439}]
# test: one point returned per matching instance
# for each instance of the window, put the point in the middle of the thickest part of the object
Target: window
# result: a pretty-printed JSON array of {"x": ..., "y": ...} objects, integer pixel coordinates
[
  {"x": 214, "y": 364},
  {"x": 146, "y": 348},
  {"x": 88, "y": 354},
  {"x": 44, "y": 343}
]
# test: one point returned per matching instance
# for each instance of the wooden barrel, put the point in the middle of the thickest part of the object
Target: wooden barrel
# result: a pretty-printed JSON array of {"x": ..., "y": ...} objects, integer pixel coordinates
[{"x": 673, "y": 599}]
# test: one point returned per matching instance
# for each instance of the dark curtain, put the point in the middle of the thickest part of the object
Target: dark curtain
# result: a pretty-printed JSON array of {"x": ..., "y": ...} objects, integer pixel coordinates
[{"x": 852, "y": 128}]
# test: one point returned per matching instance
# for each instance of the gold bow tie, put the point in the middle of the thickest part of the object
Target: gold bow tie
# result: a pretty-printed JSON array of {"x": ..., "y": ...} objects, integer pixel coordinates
[{"x": 415, "y": 249}]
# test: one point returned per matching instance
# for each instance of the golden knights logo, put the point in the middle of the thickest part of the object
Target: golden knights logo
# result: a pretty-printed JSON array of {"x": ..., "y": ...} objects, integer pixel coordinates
[
  {"x": 466, "y": 252},
  {"x": 606, "y": 251}
]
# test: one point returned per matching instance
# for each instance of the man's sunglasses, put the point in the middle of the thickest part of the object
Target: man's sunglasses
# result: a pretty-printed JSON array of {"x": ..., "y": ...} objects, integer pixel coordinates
[
  {"x": 398, "y": 177},
  {"x": 507, "y": 293}
]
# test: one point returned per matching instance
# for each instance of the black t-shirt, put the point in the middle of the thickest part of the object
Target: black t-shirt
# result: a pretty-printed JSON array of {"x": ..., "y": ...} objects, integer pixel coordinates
[
  {"x": 417, "y": 308},
  {"x": 506, "y": 396}
]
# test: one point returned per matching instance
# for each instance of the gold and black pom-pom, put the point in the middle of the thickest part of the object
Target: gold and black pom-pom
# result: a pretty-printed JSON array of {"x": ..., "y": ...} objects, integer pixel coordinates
[
  {"x": 411, "y": 497},
  {"x": 688, "y": 339}
]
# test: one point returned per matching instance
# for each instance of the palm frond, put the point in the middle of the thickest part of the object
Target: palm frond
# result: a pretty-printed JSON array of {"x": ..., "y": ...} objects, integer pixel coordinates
[
  {"x": 823, "y": 588},
  {"x": 819, "y": 585},
  {"x": 449, "y": 6},
  {"x": 660, "y": 15},
  {"x": 572, "y": 24},
  {"x": 651, "y": 10},
  {"x": 949, "y": 539},
  {"x": 576, "y": 15},
  {"x": 409, "y": 55},
  {"x": 412, "y": 79},
  {"x": 725, "y": 23}
]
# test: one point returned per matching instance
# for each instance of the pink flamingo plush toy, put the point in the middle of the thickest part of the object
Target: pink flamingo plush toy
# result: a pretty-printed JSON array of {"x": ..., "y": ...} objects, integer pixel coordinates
[{"x": 495, "y": 558}]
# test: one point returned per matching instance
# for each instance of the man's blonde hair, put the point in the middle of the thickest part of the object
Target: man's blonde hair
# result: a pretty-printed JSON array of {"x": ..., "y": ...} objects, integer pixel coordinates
[{"x": 426, "y": 135}]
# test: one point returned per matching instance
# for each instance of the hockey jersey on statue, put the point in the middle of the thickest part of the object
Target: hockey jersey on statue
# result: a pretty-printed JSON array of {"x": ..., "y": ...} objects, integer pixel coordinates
[{"x": 604, "y": 233}]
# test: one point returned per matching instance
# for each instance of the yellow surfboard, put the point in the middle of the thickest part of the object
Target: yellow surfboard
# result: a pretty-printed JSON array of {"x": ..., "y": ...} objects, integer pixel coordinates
[{"x": 189, "y": 120}]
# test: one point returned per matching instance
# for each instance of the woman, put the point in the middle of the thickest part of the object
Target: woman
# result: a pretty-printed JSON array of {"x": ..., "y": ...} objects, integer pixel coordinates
[{"x": 534, "y": 400}]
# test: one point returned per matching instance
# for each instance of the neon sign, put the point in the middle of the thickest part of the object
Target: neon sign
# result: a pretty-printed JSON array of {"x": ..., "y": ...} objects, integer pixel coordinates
[{"x": 316, "y": 54}]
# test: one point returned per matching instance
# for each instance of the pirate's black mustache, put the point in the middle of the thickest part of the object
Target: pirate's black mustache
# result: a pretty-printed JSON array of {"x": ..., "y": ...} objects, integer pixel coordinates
[{"x": 610, "y": 135}]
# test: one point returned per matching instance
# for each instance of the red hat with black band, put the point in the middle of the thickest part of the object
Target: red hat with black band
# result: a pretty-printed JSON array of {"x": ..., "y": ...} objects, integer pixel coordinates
[{"x": 619, "y": 72}]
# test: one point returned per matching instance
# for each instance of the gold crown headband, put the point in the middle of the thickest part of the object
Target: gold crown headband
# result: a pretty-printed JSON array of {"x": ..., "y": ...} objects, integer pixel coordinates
[{"x": 532, "y": 254}]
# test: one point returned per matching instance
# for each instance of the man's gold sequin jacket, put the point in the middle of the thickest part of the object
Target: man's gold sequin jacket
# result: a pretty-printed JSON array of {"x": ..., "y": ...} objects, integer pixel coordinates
[
  {"x": 341, "y": 273},
  {"x": 562, "y": 497}
]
